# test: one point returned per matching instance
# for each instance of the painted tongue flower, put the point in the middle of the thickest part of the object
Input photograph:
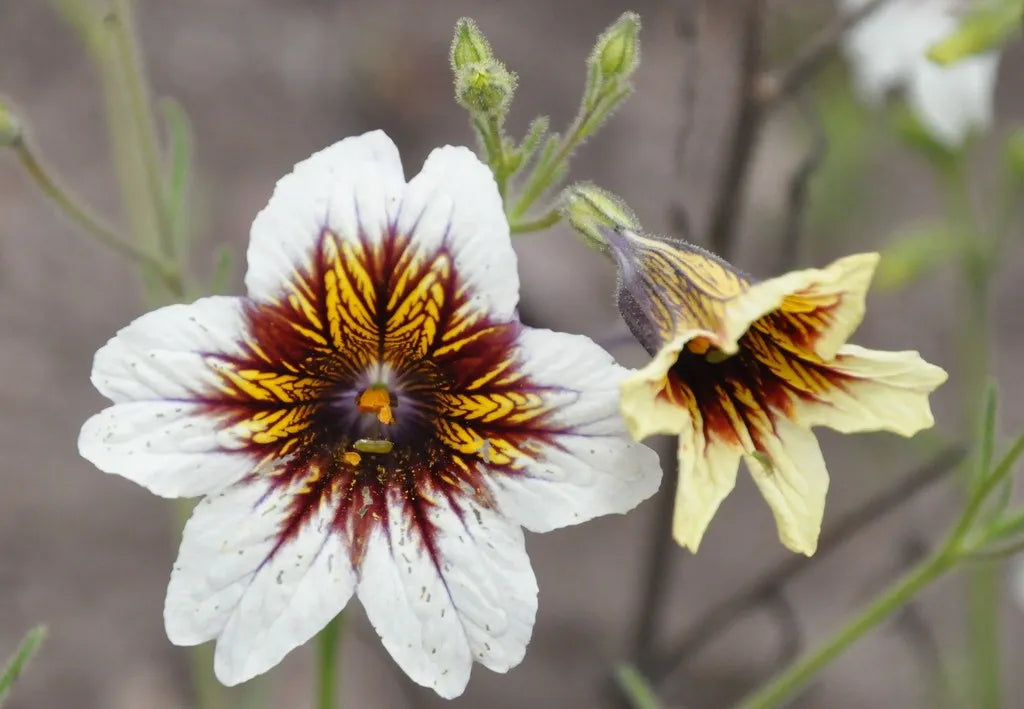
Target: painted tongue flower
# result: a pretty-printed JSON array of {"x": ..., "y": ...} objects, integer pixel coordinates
[
  {"x": 888, "y": 50},
  {"x": 372, "y": 419},
  {"x": 744, "y": 369}
]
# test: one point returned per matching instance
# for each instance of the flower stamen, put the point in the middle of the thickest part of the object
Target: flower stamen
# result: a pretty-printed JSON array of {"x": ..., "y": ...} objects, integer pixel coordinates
[{"x": 378, "y": 400}]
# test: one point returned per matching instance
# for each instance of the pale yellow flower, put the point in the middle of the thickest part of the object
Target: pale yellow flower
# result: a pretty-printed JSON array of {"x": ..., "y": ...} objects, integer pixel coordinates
[{"x": 744, "y": 369}]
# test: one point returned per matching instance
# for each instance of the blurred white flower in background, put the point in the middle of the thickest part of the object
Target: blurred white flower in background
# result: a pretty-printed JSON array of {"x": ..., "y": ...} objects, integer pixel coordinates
[{"x": 888, "y": 50}]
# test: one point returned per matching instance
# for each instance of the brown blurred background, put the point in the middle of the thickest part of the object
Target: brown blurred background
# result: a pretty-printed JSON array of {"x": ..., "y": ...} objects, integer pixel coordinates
[{"x": 266, "y": 83}]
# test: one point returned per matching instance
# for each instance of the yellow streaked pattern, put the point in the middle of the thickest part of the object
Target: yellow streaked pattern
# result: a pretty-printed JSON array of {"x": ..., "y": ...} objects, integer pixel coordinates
[
  {"x": 507, "y": 407},
  {"x": 275, "y": 426},
  {"x": 494, "y": 450},
  {"x": 349, "y": 294},
  {"x": 809, "y": 314},
  {"x": 686, "y": 288},
  {"x": 799, "y": 368},
  {"x": 259, "y": 385},
  {"x": 415, "y": 316}
]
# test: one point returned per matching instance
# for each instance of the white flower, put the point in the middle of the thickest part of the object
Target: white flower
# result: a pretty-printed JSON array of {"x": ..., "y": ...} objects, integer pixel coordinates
[
  {"x": 887, "y": 50},
  {"x": 372, "y": 419}
]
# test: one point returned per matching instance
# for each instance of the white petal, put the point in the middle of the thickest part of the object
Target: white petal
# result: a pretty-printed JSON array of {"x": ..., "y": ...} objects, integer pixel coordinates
[
  {"x": 173, "y": 449},
  {"x": 882, "y": 46},
  {"x": 476, "y": 599},
  {"x": 952, "y": 101},
  {"x": 794, "y": 483},
  {"x": 230, "y": 583},
  {"x": 593, "y": 470},
  {"x": 159, "y": 355},
  {"x": 353, "y": 188},
  {"x": 454, "y": 201},
  {"x": 154, "y": 369}
]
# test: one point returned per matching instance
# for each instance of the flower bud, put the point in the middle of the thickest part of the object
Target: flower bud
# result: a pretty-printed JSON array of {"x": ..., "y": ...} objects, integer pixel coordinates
[
  {"x": 10, "y": 127},
  {"x": 592, "y": 210},
  {"x": 469, "y": 46},
  {"x": 617, "y": 51},
  {"x": 485, "y": 88}
]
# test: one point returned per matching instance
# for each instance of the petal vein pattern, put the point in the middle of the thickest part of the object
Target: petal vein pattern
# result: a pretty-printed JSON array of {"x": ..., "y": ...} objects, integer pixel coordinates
[
  {"x": 372, "y": 419},
  {"x": 742, "y": 369}
]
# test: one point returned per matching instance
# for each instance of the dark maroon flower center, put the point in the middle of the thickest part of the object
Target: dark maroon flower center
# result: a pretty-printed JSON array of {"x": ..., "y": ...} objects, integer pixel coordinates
[{"x": 374, "y": 382}]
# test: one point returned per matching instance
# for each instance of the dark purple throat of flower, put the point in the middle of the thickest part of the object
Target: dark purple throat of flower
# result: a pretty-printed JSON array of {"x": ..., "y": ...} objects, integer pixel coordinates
[{"x": 371, "y": 379}]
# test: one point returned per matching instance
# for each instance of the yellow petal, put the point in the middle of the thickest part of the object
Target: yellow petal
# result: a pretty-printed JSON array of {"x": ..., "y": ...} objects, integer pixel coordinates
[
  {"x": 645, "y": 408},
  {"x": 876, "y": 391},
  {"x": 707, "y": 473},
  {"x": 791, "y": 475},
  {"x": 824, "y": 304}
]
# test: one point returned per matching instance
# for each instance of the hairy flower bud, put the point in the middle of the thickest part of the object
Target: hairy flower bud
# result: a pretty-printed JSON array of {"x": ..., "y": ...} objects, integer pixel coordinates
[
  {"x": 469, "y": 46},
  {"x": 617, "y": 52},
  {"x": 485, "y": 88},
  {"x": 591, "y": 209}
]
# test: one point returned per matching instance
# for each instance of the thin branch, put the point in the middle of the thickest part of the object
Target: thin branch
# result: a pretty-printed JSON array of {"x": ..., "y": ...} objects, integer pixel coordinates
[
  {"x": 733, "y": 179},
  {"x": 779, "y": 85},
  {"x": 725, "y": 613},
  {"x": 759, "y": 92},
  {"x": 84, "y": 218},
  {"x": 796, "y": 200},
  {"x": 657, "y": 571},
  {"x": 687, "y": 26}
]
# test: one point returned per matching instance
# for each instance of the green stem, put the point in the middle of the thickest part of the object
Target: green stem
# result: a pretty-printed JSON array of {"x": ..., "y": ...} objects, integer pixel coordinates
[
  {"x": 984, "y": 582},
  {"x": 957, "y": 546},
  {"x": 137, "y": 92},
  {"x": 596, "y": 105},
  {"x": 542, "y": 175},
  {"x": 635, "y": 688},
  {"x": 549, "y": 219},
  {"x": 327, "y": 645},
  {"x": 84, "y": 218},
  {"x": 26, "y": 650},
  {"x": 799, "y": 673},
  {"x": 497, "y": 157}
]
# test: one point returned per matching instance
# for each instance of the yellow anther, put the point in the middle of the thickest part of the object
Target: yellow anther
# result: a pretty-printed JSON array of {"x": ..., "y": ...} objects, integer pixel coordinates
[
  {"x": 374, "y": 399},
  {"x": 698, "y": 345},
  {"x": 351, "y": 457},
  {"x": 377, "y": 400}
]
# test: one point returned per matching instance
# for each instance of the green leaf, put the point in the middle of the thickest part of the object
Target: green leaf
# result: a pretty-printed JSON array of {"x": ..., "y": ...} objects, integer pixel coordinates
[
  {"x": 635, "y": 687},
  {"x": 1011, "y": 458},
  {"x": 915, "y": 252},
  {"x": 179, "y": 175},
  {"x": 531, "y": 142},
  {"x": 22, "y": 655},
  {"x": 984, "y": 28}
]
